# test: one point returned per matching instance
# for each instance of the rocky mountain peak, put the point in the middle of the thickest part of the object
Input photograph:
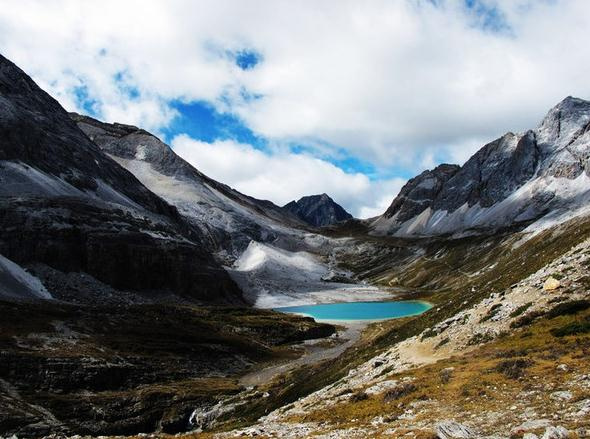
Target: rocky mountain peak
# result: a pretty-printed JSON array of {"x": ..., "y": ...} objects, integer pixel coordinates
[
  {"x": 123, "y": 141},
  {"x": 72, "y": 210},
  {"x": 563, "y": 121},
  {"x": 418, "y": 193},
  {"x": 318, "y": 210},
  {"x": 511, "y": 180}
]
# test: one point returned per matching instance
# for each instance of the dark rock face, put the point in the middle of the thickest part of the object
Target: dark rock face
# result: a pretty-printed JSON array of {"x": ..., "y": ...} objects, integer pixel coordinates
[
  {"x": 36, "y": 130},
  {"x": 227, "y": 218},
  {"x": 453, "y": 199},
  {"x": 318, "y": 210},
  {"x": 494, "y": 172},
  {"x": 420, "y": 192},
  {"x": 66, "y": 204}
]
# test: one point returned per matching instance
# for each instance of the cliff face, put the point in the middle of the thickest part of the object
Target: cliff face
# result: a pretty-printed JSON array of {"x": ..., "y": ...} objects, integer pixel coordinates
[
  {"x": 419, "y": 192},
  {"x": 68, "y": 206}
]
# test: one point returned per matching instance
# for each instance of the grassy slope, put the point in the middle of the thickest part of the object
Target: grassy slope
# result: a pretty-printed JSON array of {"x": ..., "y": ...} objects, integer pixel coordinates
[{"x": 498, "y": 375}]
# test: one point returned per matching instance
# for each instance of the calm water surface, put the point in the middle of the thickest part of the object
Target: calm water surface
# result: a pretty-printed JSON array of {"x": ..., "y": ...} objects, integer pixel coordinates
[{"x": 360, "y": 310}]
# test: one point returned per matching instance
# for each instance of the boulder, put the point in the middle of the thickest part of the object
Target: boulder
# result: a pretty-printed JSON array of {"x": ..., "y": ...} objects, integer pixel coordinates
[
  {"x": 564, "y": 395},
  {"x": 551, "y": 284},
  {"x": 556, "y": 433}
]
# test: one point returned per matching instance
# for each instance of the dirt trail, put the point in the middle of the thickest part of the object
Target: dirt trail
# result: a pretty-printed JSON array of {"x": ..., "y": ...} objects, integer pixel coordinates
[{"x": 314, "y": 352}]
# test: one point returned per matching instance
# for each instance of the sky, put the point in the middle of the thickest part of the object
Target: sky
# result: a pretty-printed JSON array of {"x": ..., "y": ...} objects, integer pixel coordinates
[{"x": 281, "y": 99}]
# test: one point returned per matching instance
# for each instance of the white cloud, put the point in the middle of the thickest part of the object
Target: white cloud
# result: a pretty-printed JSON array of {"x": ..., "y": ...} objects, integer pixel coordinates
[
  {"x": 283, "y": 176},
  {"x": 396, "y": 83}
]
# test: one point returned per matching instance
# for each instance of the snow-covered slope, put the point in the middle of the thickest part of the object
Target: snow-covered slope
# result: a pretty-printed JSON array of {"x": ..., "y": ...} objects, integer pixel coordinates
[
  {"x": 17, "y": 284},
  {"x": 540, "y": 176},
  {"x": 271, "y": 277},
  {"x": 229, "y": 218}
]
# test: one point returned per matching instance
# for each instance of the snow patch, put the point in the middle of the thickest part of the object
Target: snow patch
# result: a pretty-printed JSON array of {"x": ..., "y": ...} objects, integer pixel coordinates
[
  {"x": 141, "y": 152},
  {"x": 271, "y": 277}
]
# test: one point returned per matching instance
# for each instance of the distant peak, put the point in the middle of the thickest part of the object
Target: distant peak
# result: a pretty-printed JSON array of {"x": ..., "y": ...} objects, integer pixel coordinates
[
  {"x": 571, "y": 103},
  {"x": 319, "y": 197},
  {"x": 318, "y": 210}
]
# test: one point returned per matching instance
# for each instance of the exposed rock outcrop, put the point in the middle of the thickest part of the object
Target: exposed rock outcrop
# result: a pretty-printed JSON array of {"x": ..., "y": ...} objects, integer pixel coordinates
[{"x": 318, "y": 210}]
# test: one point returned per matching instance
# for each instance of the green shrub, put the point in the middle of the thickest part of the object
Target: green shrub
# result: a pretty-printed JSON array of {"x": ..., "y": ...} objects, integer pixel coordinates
[
  {"x": 526, "y": 320},
  {"x": 522, "y": 308},
  {"x": 572, "y": 328},
  {"x": 513, "y": 369},
  {"x": 359, "y": 396},
  {"x": 399, "y": 391},
  {"x": 568, "y": 308}
]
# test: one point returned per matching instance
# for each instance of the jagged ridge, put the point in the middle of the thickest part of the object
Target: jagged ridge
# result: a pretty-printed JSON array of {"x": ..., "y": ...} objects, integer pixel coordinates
[{"x": 512, "y": 181}]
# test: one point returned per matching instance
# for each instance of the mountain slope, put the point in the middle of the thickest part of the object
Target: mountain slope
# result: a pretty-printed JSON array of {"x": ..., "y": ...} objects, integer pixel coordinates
[
  {"x": 514, "y": 180},
  {"x": 65, "y": 205},
  {"x": 318, "y": 210},
  {"x": 230, "y": 219},
  {"x": 17, "y": 284}
]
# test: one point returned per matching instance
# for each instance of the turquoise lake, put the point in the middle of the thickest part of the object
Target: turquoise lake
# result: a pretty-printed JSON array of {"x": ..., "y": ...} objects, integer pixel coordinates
[{"x": 360, "y": 310}]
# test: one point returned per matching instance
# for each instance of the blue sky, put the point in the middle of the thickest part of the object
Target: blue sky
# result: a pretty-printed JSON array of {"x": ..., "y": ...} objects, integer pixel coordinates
[{"x": 342, "y": 97}]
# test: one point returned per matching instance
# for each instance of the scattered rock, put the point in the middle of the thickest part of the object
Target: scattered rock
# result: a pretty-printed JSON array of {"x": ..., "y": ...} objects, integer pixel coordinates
[
  {"x": 529, "y": 426},
  {"x": 556, "y": 433},
  {"x": 564, "y": 395},
  {"x": 378, "y": 362},
  {"x": 453, "y": 430},
  {"x": 381, "y": 387},
  {"x": 583, "y": 408},
  {"x": 563, "y": 368},
  {"x": 551, "y": 284}
]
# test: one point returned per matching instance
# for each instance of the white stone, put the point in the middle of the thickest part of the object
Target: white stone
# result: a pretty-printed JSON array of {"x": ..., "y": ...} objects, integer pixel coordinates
[
  {"x": 564, "y": 395},
  {"x": 556, "y": 433},
  {"x": 453, "y": 430}
]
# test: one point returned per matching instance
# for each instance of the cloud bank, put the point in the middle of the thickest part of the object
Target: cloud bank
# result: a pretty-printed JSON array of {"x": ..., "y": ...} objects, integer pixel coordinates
[{"x": 397, "y": 84}]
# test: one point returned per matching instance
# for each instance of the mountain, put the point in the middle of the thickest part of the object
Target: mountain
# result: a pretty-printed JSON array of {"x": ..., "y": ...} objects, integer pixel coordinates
[
  {"x": 110, "y": 245},
  {"x": 318, "y": 210},
  {"x": 83, "y": 223},
  {"x": 540, "y": 176},
  {"x": 228, "y": 218}
]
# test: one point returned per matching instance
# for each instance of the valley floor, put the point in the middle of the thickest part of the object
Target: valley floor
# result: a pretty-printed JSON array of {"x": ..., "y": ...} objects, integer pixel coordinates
[{"x": 516, "y": 363}]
